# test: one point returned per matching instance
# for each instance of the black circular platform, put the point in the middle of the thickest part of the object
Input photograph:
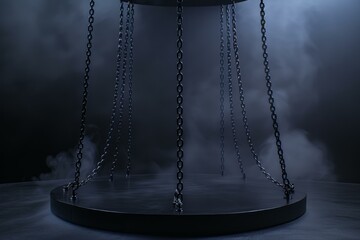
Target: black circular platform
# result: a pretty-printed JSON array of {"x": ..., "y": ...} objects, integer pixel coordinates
[
  {"x": 185, "y": 2},
  {"x": 212, "y": 206}
]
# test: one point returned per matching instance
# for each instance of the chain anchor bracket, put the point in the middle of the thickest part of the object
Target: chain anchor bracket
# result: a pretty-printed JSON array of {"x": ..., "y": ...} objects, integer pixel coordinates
[
  {"x": 177, "y": 202},
  {"x": 289, "y": 190}
]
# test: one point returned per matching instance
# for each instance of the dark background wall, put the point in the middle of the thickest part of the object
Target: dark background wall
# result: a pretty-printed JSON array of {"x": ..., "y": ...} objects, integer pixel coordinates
[{"x": 315, "y": 63}]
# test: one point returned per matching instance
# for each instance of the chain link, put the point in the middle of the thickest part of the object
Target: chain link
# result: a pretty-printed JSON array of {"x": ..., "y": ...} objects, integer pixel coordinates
[
  {"x": 288, "y": 187},
  {"x": 242, "y": 101},
  {"x": 131, "y": 67},
  {"x": 230, "y": 85},
  {"x": 178, "y": 196},
  {"x": 79, "y": 155},
  {"x": 222, "y": 69}
]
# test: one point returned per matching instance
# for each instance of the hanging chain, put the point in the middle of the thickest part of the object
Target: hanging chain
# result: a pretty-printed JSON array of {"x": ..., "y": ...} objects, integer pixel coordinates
[
  {"x": 242, "y": 101},
  {"x": 118, "y": 72},
  {"x": 79, "y": 155},
  {"x": 231, "y": 101},
  {"x": 111, "y": 127},
  {"x": 123, "y": 83},
  {"x": 222, "y": 69},
  {"x": 131, "y": 67},
  {"x": 75, "y": 185},
  {"x": 288, "y": 187},
  {"x": 178, "y": 196}
]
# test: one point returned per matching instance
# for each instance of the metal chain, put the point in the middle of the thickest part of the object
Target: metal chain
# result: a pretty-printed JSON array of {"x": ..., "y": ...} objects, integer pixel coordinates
[
  {"x": 118, "y": 72},
  {"x": 288, "y": 187},
  {"x": 122, "y": 94},
  {"x": 242, "y": 101},
  {"x": 222, "y": 69},
  {"x": 131, "y": 67},
  {"x": 112, "y": 121},
  {"x": 230, "y": 85},
  {"x": 79, "y": 155},
  {"x": 178, "y": 196}
]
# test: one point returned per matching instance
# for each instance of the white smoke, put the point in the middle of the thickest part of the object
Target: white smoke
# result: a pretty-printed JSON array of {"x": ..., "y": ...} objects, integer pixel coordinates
[
  {"x": 62, "y": 165},
  {"x": 305, "y": 159},
  {"x": 293, "y": 76}
]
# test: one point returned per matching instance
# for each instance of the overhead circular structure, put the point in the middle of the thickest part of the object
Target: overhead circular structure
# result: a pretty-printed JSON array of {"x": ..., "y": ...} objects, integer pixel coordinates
[{"x": 185, "y": 2}]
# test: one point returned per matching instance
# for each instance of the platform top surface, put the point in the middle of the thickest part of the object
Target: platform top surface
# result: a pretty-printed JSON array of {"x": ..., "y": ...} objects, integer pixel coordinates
[
  {"x": 212, "y": 206},
  {"x": 201, "y": 196}
]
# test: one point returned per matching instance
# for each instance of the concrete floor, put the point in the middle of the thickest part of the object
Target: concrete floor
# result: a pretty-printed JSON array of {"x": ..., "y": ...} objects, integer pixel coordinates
[{"x": 333, "y": 212}]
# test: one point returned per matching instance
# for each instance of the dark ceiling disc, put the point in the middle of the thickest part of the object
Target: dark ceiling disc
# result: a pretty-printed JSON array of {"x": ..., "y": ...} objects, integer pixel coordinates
[
  {"x": 144, "y": 205},
  {"x": 185, "y": 3}
]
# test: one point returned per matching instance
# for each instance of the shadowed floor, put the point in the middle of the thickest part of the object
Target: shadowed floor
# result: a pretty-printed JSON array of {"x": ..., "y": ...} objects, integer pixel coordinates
[{"x": 333, "y": 212}]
